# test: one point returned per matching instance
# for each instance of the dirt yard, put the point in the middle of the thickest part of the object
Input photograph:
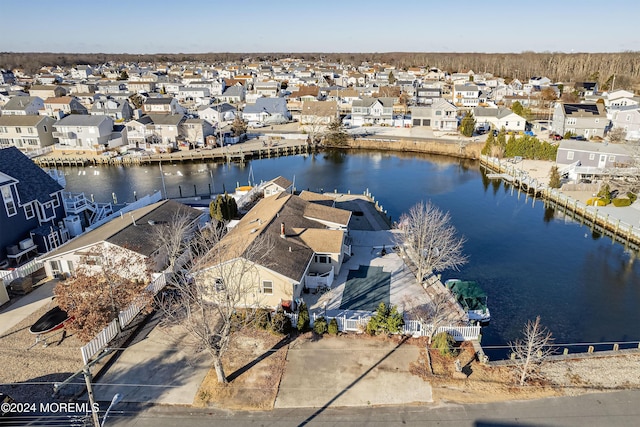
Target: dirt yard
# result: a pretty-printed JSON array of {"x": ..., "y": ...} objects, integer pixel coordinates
[{"x": 254, "y": 366}]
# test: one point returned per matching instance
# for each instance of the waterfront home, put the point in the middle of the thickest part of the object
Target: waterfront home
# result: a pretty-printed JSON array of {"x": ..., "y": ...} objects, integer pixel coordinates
[
  {"x": 372, "y": 111},
  {"x": 441, "y": 116},
  {"x": 195, "y": 132},
  {"x": 588, "y": 120},
  {"x": 303, "y": 243},
  {"x": 629, "y": 120},
  {"x": 594, "y": 160},
  {"x": 26, "y": 132},
  {"x": 498, "y": 118},
  {"x": 23, "y": 106},
  {"x": 466, "y": 95},
  {"x": 131, "y": 236},
  {"x": 218, "y": 113},
  {"x": 84, "y": 132},
  {"x": 118, "y": 110},
  {"x": 159, "y": 132},
  {"x": 267, "y": 111},
  {"x": 318, "y": 112},
  {"x": 32, "y": 208},
  {"x": 276, "y": 186}
]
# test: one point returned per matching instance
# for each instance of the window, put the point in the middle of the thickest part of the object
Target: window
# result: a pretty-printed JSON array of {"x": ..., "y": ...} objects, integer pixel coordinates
[
  {"x": 9, "y": 204},
  {"x": 3, "y": 129},
  {"x": 612, "y": 158},
  {"x": 56, "y": 200},
  {"x": 267, "y": 287},
  {"x": 18, "y": 130},
  {"x": 30, "y": 130},
  {"x": 322, "y": 259},
  {"x": 570, "y": 155},
  {"x": 571, "y": 121},
  {"x": 592, "y": 156},
  {"x": 219, "y": 285},
  {"x": 29, "y": 212},
  {"x": 45, "y": 128}
]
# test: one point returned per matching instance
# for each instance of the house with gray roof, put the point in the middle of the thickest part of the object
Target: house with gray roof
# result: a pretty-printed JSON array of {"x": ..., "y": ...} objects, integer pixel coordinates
[
  {"x": 31, "y": 211},
  {"x": 23, "y": 106},
  {"x": 267, "y": 111},
  {"x": 440, "y": 116},
  {"x": 233, "y": 94},
  {"x": 84, "y": 132},
  {"x": 595, "y": 160},
  {"x": 133, "y": 236},
  {"x": 118, "y": 110},
  {"x": 588, "y": 120},
  {"x": 218, "y": 113},
  {"x": 372, "y": 111}
]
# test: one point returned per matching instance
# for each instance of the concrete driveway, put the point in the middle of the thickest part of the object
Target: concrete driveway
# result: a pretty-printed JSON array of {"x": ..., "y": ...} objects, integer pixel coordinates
[
  {"x": 161, "y": 366},
  {"x": 350, "y": 371}
]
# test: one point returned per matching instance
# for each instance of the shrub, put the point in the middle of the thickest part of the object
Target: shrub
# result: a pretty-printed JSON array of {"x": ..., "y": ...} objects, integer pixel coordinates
[
  {"x": 320, "y": 326},
  {"x": 444, "y": 343},
  {"x": 261, "y": 318},
  {"x": 280, "y": 323},
  {"x": 333, "y": 327},
  {"x": 303, "y": 318},
  {"x": 632, "y": 197},
  {"x": 386, "y": 320},
  {"x": 621, "y": 202},
  {"x": 596, "y": 201}
]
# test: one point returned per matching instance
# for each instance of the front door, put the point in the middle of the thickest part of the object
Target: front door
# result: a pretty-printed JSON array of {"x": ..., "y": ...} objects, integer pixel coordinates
[{"x": 603, "y": 161}]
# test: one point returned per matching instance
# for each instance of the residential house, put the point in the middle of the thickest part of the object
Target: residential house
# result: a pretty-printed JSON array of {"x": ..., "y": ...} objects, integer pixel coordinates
[
  {"x": 47, "y": 91},
  {"x": 233, "y": 94},
  {"x": 84, "y": 132},
  {"x": 159, "y": 132},
  {"x": 427, "y": 95},
  {"x": 194, "y": 95},
  {"x": 26, "y": 132},
  {"x": 307, "y": 241},
  {"x": 629, "y": 120},
  {"x": 276, "y": 186},
  {"x": 591, "y": 160},
  {"x": 23, "y": 105},
  {"x": 141, "y": 86},
  {"x": 216, "y": 87},
  {"x": 81, "y": 72},
  {"x": 620, "y": 99},
  {"x": 62, "y": 106},
  {"x": 588, "y": 120},
  {"x": 440, "y": 116},
  {"x": 372, "y": 111},
  {"x": 162, "y": 105},
  {"x": 267, "y": 111},
  {"x": 318, "y": 112},
  {"x": 132, "y": 236},
  {"x": 195, "y": 131},
  {"x": 466, "y": 95},
  {"x": 498, "y": 118},
  {"x": 586, "y": 88},
  {"x": 218, "y": 113},
  {"x": 111, "y": 87},
  {"x": 267, "y": 89},
  {"x": 32, "y": 208},
  {"x": 117, "y": 110}
]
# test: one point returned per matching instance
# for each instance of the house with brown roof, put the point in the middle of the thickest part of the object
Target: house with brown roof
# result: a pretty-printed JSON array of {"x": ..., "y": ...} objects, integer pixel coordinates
[
  {"x": 59, "y": 107},
  {"x": 303, "y": 241},
  {"x": 276, "y": 186}
]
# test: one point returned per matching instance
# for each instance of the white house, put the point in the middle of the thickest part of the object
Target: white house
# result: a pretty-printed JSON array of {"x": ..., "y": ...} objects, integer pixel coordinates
[
  {"x": 84, "y": 131},
  {"x": 498, "y": 118}
]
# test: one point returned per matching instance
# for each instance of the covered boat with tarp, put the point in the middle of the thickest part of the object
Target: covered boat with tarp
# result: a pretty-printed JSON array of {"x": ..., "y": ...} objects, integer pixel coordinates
[
  {"x": 471, "y": 298},
  {"x": 52, "y": 320}
]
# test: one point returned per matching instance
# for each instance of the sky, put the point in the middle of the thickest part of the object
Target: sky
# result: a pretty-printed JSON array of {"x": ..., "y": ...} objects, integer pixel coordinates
[{"x": 200, "y": 26}]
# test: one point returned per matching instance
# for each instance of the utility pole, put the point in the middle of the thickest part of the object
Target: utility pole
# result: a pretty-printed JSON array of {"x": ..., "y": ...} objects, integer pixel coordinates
[{"x": 87, "y": 379}]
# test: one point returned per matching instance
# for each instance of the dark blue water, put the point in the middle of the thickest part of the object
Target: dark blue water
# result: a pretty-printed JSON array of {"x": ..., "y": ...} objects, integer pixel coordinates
[{"x": 529, "y": 260}]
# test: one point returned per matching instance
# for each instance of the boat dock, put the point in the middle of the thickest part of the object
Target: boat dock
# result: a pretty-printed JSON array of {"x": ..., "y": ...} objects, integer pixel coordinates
[{"x": 238, "y": 153}]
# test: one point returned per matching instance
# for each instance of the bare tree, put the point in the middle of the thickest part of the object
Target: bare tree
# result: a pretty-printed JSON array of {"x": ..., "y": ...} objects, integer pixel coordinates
[
  {"x": 107, "y": 282},
  {"x": 174, "y": 237},
  {"x": 222, "y": 281},
  {"x": 430, "y": 240},
  {"x": 532, "y": 350},
  {"x": 617, "y": 135}
]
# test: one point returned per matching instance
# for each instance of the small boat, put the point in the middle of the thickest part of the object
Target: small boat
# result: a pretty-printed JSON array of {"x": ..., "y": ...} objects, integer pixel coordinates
[
  {"x": 471, "y": 298},
  {"x": 52, "y": 320}
]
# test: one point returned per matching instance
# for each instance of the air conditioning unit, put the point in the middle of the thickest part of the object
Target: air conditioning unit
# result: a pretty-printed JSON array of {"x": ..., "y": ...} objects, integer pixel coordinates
[{"x": 26, "y": 243}]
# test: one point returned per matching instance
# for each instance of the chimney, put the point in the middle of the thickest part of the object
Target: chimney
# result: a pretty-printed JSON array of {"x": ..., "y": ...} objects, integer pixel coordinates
[{"x": 282, "y": 230}]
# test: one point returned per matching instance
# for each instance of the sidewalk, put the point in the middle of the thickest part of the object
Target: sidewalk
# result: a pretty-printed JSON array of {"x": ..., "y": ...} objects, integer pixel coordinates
[{"x": 22, "y": 307}]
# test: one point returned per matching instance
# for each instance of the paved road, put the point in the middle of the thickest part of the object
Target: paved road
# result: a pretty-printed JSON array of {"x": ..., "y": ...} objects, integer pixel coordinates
[{"x": 619, "y": 409}]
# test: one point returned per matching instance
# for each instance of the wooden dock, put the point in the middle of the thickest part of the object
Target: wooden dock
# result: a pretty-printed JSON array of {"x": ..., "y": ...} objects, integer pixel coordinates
[{"x": 239, "y": 153}]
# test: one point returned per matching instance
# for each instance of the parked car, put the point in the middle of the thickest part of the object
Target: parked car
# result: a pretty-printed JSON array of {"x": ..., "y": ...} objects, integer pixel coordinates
[
  {"x": 555, "y": 136},
  {"x": 578, "y": 138},
  {"x": 256, "y": 125}
]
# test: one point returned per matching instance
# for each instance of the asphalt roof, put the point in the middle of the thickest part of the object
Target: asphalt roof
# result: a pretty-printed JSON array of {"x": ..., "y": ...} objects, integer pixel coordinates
[{"x": 33, "y": 182}]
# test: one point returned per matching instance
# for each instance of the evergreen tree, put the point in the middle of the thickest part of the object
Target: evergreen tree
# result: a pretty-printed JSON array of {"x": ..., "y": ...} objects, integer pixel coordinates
[
  {"x": 468, "y": 125},
  {"x": 303, "y": 318},
  {"x": 490, "y": 142},
  {"x": 336, "y": 134},
  {"x": 554, "y": 179},
  {"x": 392, "y": 78},
  {"x": 517, "y": 108}
]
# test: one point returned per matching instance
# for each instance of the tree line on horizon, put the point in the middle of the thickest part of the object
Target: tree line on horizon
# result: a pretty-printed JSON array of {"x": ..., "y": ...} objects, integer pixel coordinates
[{"x": 600, "y": 67}]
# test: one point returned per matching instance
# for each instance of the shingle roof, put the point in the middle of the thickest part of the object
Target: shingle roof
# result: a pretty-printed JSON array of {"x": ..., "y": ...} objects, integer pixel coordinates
[
  {"x": 33, "y": 182},
  {"x": 270, "y": 105},
  {"x": 20, "y": 102},
  {"x": 122, "y": 232},
  {"x": 81, "y": 120},
  {"x": 166, "y": 119},
  {"x": 18, "y": 120}
]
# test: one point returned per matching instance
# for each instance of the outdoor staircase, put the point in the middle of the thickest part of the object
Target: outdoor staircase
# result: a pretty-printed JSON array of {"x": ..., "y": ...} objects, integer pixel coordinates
[{"x": 79, "y": 204}]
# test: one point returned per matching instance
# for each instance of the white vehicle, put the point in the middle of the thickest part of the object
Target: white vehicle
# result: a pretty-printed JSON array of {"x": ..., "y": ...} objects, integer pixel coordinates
[{"x": 256, "y": 125}]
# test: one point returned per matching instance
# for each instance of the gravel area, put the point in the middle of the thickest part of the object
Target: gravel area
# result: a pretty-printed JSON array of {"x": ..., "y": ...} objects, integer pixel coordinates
[
  {"x": 594, "y": 373},
  {"x": 29, "y": 370}
]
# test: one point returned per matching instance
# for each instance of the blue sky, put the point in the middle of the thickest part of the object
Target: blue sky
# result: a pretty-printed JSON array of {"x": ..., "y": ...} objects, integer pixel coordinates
[{"x": 162, "y": 26}]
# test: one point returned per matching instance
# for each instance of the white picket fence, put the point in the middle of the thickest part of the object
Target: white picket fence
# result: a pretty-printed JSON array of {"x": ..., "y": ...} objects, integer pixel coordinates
[
  {"x": 125, "y": 317},
  {"x": 357, "y": 321},
  {"x": 7, "y": 276}
]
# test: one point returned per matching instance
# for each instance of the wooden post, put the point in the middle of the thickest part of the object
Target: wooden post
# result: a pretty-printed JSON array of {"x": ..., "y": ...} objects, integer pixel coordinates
[
  {"x": 87, "y": 379},
  {"x": 565, "y": 351},
  {"x": 590, "y": 350},
  {"x": 616, "y": 347}
]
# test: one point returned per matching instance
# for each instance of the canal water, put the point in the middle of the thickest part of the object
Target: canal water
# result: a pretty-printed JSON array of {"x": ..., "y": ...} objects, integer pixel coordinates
[{"x": 530, "y": 260}]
